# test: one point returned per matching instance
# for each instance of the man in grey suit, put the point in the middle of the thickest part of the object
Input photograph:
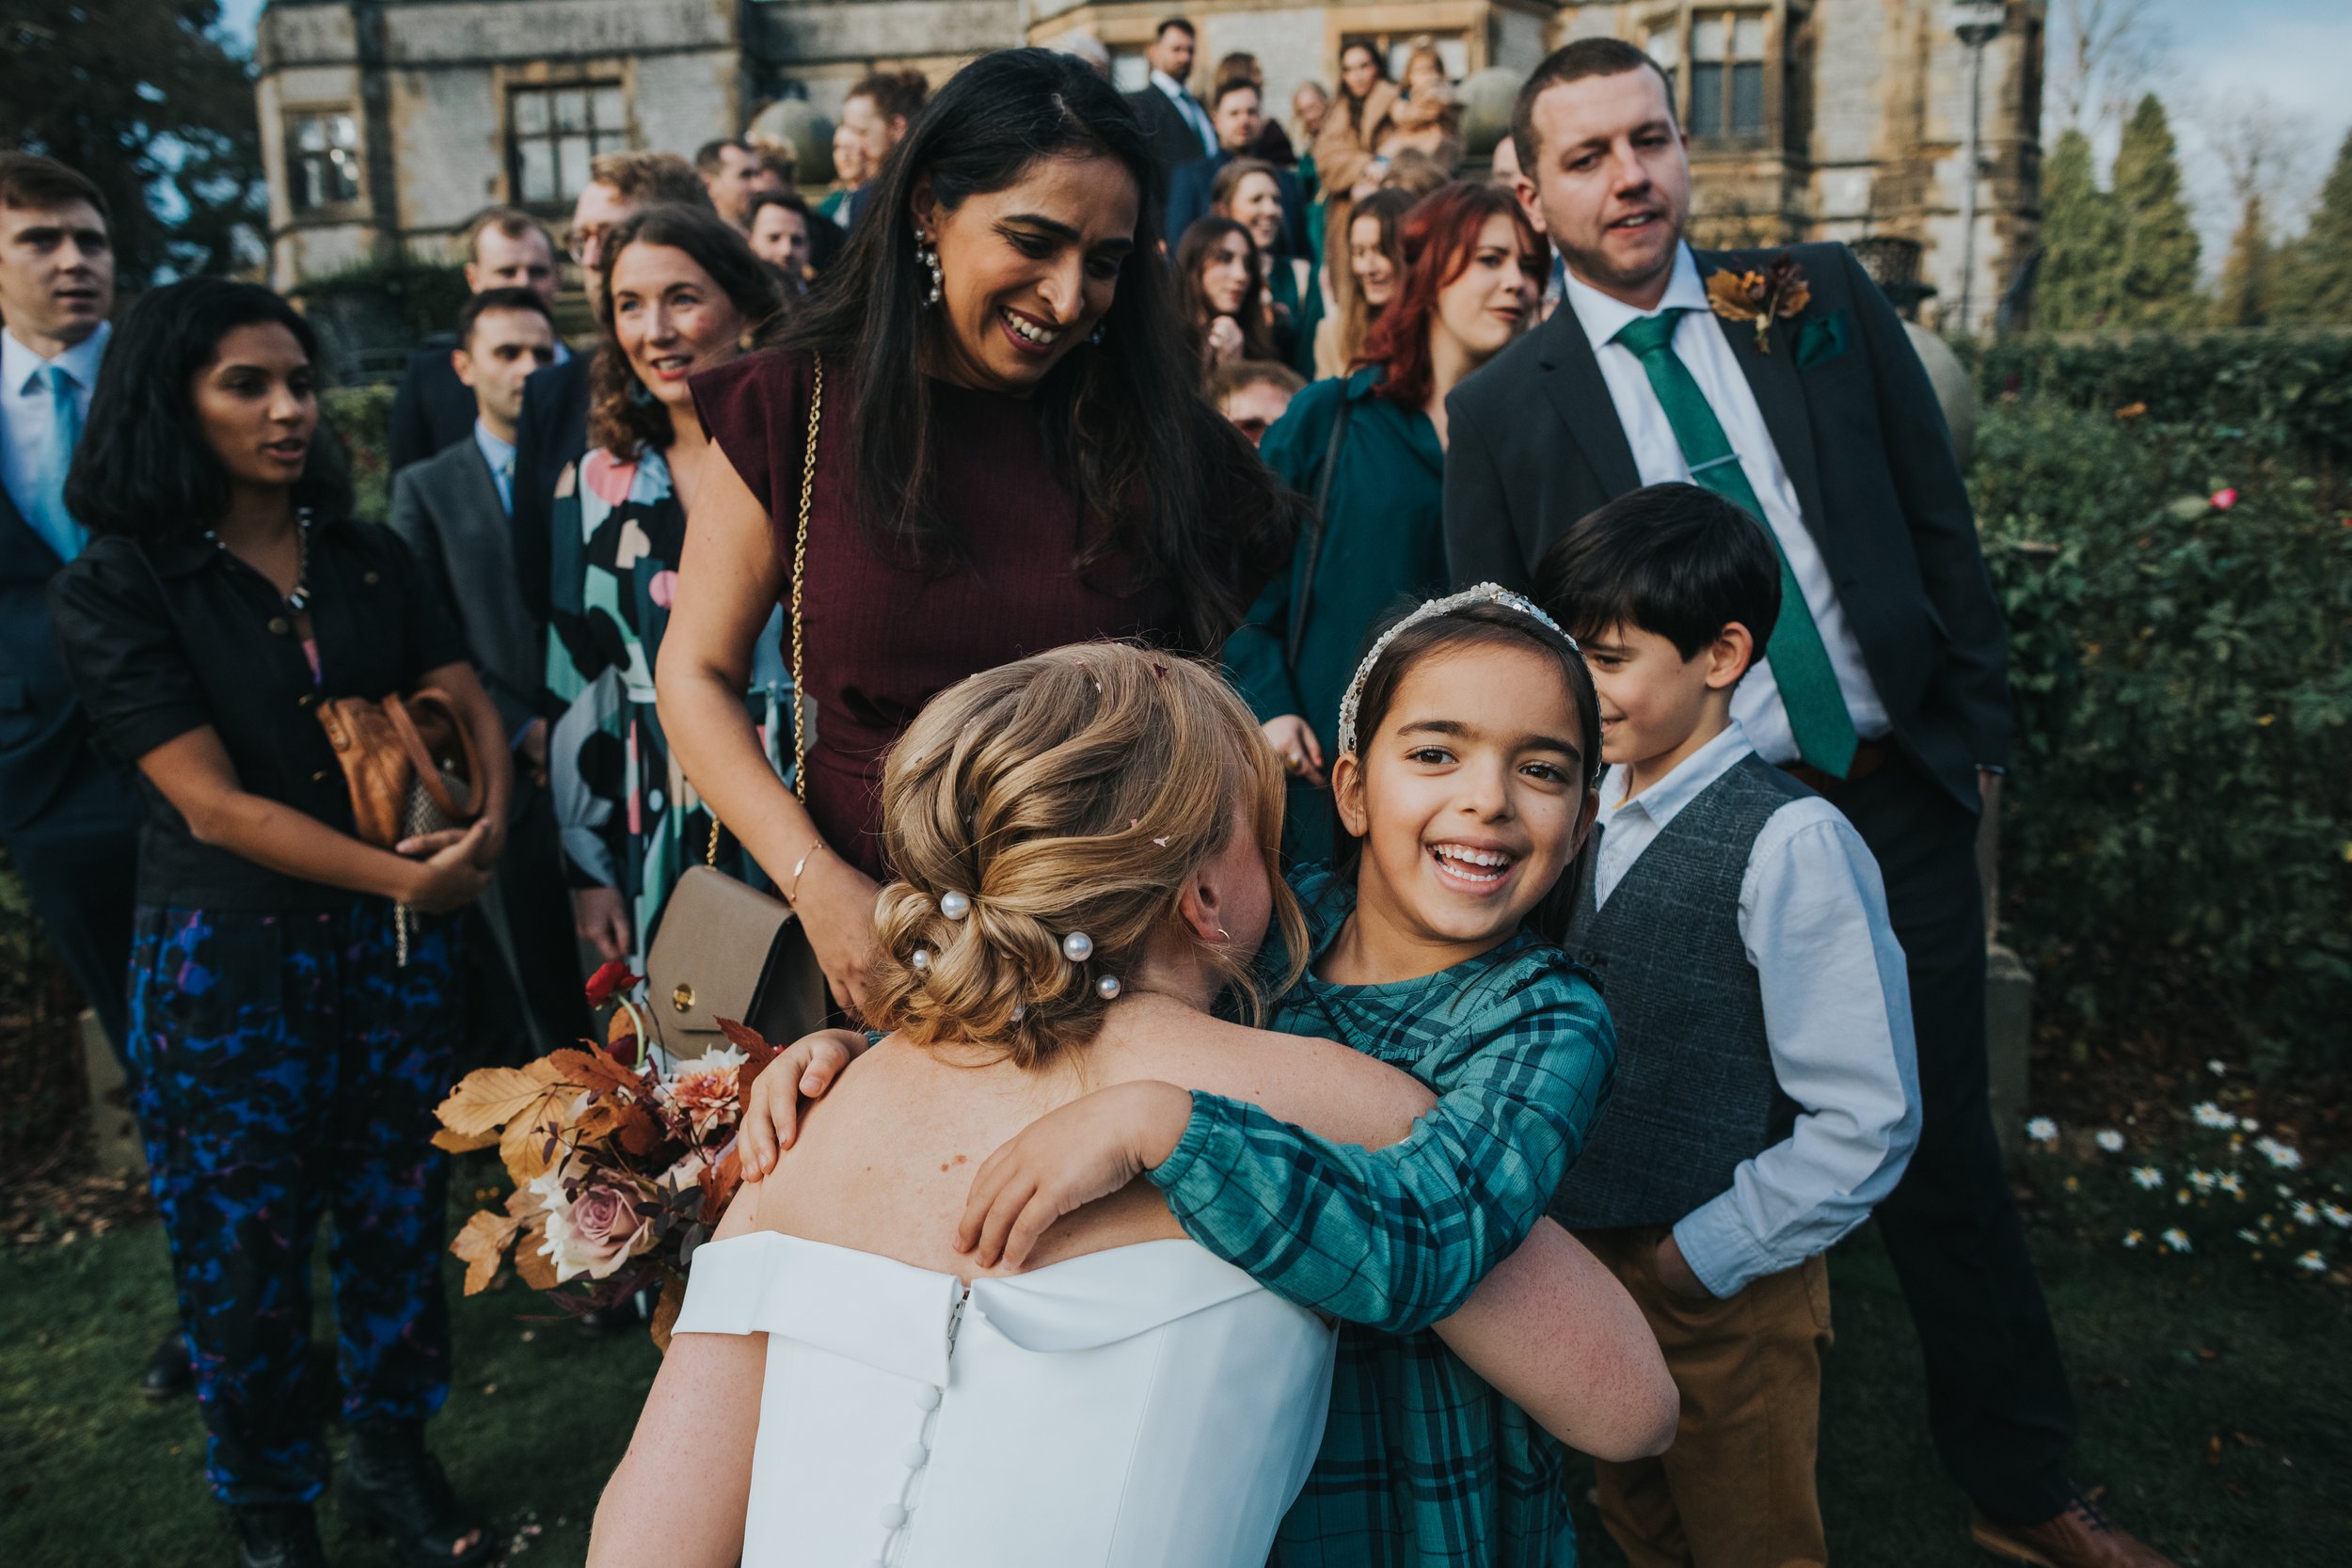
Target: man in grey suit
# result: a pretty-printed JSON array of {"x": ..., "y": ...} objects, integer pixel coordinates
[{"x": 455, "y": 510}]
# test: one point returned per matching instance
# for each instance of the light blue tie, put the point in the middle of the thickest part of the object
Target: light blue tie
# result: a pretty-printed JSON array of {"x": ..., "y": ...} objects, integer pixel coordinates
[{"x": 48, "y": 517}]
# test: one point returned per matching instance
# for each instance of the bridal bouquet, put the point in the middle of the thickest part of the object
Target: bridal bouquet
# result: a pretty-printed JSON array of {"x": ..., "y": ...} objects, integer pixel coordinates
[{"x": 621, "y": 1166}]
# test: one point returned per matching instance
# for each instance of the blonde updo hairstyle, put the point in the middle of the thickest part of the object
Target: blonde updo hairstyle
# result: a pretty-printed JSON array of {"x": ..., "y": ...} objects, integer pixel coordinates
[{"x": 1078, "y": 790}]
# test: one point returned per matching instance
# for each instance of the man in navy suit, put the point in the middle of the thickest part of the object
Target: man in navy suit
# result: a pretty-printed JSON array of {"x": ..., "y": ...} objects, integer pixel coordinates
[
  {"x": 1885, "y": 687},
  {"x": 434, "y": 410},
  {"x": 1173, "y": 120},
  {"x": 67, "y": 816},
  {"x": 1240, "y": 123}
]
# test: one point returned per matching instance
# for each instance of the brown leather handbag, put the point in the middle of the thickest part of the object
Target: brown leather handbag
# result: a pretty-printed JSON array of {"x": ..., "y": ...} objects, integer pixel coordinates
[
  {"x": 406, "y": 759},
  {"x": 724, "y": 949},
  {"x": 412, "y": 768}
]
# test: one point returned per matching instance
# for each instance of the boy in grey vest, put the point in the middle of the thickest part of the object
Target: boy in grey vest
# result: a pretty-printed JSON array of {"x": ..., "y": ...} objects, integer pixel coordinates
[{"x": 1767, "y": 1093}]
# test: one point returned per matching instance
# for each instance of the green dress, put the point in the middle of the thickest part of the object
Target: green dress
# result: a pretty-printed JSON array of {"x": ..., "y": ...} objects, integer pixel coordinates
[
  {"x": 1423, "y": 1465},
  {"x": 1383, "y": 547}
]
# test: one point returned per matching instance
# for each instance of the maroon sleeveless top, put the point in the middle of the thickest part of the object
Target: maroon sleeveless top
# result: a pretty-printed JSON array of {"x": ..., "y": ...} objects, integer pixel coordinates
[{"x": 878, "y": 638}]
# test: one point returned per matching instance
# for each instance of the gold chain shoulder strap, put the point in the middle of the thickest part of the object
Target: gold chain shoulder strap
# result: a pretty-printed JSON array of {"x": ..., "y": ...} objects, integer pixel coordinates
[{"x": 799, "y": 575}]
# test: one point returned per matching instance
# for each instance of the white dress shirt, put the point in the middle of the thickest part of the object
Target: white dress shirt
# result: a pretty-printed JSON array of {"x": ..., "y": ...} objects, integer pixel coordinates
[
  {"x": 1189, "y": 106},
  {"x": 1699, "y": 343},
  {"x": 1837, "y": 1014},
  {"x": 28, "y": 412}
]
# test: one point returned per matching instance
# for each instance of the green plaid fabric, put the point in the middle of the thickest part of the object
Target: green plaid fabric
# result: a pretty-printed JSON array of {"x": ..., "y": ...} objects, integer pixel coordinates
[{"x": 1422, "y": 1463}]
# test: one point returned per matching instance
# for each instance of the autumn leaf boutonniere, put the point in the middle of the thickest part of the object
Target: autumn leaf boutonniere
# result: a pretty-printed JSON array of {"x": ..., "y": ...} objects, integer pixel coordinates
[{"x": 1778, "y": 293}]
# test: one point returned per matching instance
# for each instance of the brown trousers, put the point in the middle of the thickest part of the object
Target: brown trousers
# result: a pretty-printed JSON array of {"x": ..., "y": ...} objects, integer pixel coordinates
[{"x": 1736, "y": 1490}]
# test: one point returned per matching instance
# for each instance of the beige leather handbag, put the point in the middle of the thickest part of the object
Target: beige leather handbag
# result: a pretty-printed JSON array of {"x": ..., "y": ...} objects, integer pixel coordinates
[{"x": 725, "y": 949}]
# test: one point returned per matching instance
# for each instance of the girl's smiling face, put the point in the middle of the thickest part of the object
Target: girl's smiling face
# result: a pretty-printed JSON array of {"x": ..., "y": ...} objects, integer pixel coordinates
[
  {"x": 1225, "y": 276},
  {"x": 1469, "y": 799}
]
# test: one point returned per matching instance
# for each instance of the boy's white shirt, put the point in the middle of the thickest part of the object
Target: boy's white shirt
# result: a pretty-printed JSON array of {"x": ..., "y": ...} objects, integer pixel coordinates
[{"x": 1837, "y": 1014}]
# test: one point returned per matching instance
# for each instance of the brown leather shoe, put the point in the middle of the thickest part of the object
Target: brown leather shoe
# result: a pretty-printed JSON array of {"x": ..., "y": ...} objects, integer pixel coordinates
[{"x": 2080, "y": 1537}]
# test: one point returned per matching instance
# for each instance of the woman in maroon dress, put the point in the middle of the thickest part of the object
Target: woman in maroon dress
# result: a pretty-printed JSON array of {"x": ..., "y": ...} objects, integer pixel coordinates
[{"x": 1012, "y": 454}]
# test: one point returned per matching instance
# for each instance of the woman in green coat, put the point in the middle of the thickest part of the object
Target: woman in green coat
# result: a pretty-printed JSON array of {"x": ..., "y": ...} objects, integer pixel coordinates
[{"x": 1369, "y": 450}]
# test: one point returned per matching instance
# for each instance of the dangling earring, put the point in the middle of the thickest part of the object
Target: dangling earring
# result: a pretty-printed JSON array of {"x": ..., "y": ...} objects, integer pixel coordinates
[
  {"x": 926, "y": 255},
  {"x": 1095, "y": 337}
]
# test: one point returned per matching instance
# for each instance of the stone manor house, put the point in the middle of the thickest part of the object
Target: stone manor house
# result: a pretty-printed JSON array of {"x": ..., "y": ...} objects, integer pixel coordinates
[{"x": 387, "y": 123}]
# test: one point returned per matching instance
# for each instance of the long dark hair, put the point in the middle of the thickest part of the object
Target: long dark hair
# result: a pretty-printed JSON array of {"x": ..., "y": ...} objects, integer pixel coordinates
[
  {"x": 143, "y": 468},
  {"x": 1201, "y": 240},
  {"x": 1438, "y": 238},
  {"x": 1185, "y": 501},
  {"x": 1481, "y": 625},
  {"x": 623, "y": 418}
]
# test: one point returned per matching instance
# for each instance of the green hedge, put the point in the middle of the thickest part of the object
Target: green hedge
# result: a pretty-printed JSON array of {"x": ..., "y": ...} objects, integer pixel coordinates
[
  {"x": 2177, "y": 855},
  {"x": 362, "y": 415},
  {"x": 2289, "y": 393}
]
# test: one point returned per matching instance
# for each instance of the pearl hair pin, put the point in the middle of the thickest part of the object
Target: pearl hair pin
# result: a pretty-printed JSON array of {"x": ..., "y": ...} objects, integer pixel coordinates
[
  {"x": 1108, "y": 988},
  {"x": 921, "y": 961},
  {"x": 1077, "y": 947},
  {"x": 954, "y": 905}
]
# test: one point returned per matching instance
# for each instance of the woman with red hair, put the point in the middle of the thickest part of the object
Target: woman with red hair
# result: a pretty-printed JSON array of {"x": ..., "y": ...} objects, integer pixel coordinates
[{"x": 1369, "y": 449}]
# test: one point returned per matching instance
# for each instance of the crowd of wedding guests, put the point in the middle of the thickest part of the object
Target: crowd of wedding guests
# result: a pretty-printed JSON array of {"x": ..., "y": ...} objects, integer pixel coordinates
[{"x": 1229, "y": 387}]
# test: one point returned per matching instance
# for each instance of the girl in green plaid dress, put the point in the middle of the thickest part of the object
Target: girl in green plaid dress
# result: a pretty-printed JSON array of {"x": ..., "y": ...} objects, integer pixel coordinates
[{"x": 1463, "y": 811}]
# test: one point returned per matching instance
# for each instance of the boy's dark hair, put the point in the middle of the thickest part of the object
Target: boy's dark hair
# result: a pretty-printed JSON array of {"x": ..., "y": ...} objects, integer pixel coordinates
[
  {"x": 1479, "y": 626},
  {"x": 144, "y": 466},
  {"x": 478, "y": 305},
  {"x": 1179, "y": 23},
  {"x": 712, "y": 156},
  {"x": 1676, "y": 560},
  {"x": 31, "y": 182},
  {"x": 1230, "y": 86},
  {"x": 1593, "y": 56}
]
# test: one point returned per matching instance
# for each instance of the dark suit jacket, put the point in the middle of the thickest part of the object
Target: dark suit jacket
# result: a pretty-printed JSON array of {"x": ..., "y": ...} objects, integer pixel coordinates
[
  {"x": 447, "y": 508},
  {"x": 44, "y": 738},
  {"x": 552, "y": 435},
  {"x": 1537, "y": 444},
  {"x": 1188, "y": 191},
  {"x": 1172, "y": 138},
  {"x": 433, "y": 409}
]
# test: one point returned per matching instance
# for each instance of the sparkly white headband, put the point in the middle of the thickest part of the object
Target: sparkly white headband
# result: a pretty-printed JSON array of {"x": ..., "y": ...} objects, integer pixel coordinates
[{"x": 1485, "y": 592}]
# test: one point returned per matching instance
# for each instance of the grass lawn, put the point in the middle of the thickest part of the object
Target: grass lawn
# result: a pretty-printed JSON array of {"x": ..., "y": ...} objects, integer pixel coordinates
[{"x": 2217, "y": 1408}]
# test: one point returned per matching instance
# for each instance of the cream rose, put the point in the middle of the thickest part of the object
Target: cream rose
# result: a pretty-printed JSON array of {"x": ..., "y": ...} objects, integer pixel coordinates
[{"x": 594, "y": 1230}]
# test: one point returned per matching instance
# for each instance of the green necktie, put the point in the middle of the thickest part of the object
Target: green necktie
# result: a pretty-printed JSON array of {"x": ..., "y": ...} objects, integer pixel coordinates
[{"x": 1808, "y": 687}]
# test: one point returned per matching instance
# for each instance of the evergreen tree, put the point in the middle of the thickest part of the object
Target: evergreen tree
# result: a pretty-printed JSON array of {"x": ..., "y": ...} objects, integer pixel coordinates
[
  {"x": 2081, "y": 245},
  {"x": 2158, "y": 279},
  {"x": 2314, "y": 275},
  {"x": 2242, "y": 298}
]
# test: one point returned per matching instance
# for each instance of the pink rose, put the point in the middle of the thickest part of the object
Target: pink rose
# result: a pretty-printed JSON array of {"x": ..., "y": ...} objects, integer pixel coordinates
[
  {"x": 2224, "y": 500},
  {"x": 601, "y": 1224}
]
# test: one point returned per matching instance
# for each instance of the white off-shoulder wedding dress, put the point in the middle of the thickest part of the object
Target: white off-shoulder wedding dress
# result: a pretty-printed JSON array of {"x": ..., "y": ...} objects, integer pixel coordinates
[{"x": 1148, "y": 1407}]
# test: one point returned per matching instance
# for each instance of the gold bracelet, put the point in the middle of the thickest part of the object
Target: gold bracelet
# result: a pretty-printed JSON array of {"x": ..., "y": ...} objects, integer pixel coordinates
[{"x": 792, "y": 894}]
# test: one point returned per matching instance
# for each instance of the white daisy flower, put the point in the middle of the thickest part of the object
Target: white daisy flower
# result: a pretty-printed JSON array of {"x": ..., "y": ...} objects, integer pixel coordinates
[
  {"x": 2249, "y": 1237},
  {"x": 2312, "y": 1263},
  {"x": 2210, "y": 1115},
  {"x": 2108, "y": 1139},
  {"x": 2177, "y": 1240},
  {"x": 2248, "y": 1124},
  {"x": 2147, "y": 1179},
  {"x": 2202, "y": 1180},
  {"x": 2233, "y": 1185},
  {"x": 2305, "y": 1213},
  {"x": 2041, "y": 1129},
  {"x": 2281, "y": 1156},
  {"x": 2339, "y": 1217},
  {"x": 2131, "y": 1238},
  {"x": 2216, "y": 1068}
]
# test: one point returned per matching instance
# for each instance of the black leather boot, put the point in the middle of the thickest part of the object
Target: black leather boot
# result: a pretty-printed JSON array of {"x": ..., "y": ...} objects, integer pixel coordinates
[
  {"x": 167, "y": 1373},
  {"x": 392, "y": 1484},
  {"x": 275, "y": 1537}
]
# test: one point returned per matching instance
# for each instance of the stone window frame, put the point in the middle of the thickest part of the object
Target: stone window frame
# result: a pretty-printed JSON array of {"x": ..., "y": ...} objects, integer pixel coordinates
[
  {"x": 1386, "y": 28},
  {"x": 1678, "y": 20},
  {"x": 293, "y": 117},
  {"x": 550, "y": 77}
]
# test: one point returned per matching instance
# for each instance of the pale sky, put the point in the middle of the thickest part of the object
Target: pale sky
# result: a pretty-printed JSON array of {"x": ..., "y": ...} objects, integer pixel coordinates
[{"x": 2293, "y": 54}]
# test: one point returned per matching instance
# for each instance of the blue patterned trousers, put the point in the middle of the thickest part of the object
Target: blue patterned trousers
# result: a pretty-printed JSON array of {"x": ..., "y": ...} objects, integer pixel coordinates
[{"x": 288, "y": 1069}]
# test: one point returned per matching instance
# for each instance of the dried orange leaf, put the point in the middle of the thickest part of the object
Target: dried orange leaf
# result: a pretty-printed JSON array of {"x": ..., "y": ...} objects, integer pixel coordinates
[
  {"x": 483, "y": 1247},
  {"x": 464, "y": 1143},
  {"x": 489, "y": 1097}
]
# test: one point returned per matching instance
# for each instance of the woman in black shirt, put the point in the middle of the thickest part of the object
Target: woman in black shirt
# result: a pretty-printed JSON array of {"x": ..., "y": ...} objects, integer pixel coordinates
[{"x": 288, "y": 1061}]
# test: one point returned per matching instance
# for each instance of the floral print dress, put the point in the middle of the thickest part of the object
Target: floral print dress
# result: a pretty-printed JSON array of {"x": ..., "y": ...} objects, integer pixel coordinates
[{"x": 630, "y": 818}]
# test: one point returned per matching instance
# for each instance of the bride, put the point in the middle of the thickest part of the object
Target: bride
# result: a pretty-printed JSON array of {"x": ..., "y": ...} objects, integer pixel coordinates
[{"x": 845, "y": 1387}]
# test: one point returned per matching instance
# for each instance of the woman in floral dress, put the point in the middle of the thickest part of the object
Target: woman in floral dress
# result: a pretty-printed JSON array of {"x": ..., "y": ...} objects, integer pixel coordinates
[{"x": 682, "y": 291}]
